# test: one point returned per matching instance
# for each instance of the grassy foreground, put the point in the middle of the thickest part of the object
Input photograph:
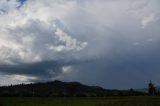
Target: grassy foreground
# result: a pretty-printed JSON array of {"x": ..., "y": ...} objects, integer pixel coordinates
[{"x": 109, "y": 101}]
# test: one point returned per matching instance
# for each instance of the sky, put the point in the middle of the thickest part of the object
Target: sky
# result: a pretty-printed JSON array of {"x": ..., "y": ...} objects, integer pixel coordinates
[{"x": 108, "y": 43}]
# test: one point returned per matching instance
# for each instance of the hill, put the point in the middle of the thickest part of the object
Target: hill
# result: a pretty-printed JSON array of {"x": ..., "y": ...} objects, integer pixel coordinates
[{"x": 59, "y": 88}]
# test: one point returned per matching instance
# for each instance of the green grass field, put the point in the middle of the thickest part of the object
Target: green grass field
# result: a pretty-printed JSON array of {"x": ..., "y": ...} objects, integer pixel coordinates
[{"x": 109, "y": 101}]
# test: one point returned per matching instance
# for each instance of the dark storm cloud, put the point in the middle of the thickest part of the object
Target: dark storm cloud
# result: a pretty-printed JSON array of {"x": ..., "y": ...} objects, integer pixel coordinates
[
  {"x": 122, "y": 71},
  {"x": 39, "y": 71},
  {"x": 45, "y": 69},
  {"x": 42, "y": 71}
]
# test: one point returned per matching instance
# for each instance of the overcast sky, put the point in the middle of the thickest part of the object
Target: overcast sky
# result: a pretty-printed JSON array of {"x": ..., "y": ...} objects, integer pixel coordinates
[{"x": 109, "y": 43}]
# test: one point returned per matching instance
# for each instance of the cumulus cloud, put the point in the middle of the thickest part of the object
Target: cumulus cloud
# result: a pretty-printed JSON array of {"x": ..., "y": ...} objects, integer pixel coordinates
[
  {"x": 66, "y": 43},
  {"x": 32, "y": 39},
  {"x": 43, "y": 40}
]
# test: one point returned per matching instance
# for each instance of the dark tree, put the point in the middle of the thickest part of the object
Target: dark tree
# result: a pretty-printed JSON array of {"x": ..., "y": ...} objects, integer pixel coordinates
[
  {"x": 72, "y": 89},
  {"x": 151, "y": 89}
]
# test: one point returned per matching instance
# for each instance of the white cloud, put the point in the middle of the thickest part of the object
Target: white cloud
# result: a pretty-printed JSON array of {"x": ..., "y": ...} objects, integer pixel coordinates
[
  {"x": 66, "y": 43},
  {"x": 22, "y": 77},
  {"x": 67, "y": 69},
  {"x": 31, "y": 34},
  {"x": 15, "y": 79},
  {"x": 147, "y": 20}
]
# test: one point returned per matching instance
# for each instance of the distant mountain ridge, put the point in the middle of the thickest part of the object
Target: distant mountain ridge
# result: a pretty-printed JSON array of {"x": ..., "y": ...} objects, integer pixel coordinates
[{"x": 60, "y": 89}]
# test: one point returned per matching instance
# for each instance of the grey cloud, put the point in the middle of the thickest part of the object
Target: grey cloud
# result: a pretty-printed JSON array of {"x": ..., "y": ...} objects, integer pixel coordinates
[
  {"x": 122, "y": 71},
  {"x": 43, "y": 71},
  {"x": 110, "y": 41}
]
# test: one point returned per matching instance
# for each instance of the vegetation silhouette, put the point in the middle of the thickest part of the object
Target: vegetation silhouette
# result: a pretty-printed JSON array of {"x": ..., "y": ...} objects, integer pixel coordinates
[{"x": 62, "y": 89}]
